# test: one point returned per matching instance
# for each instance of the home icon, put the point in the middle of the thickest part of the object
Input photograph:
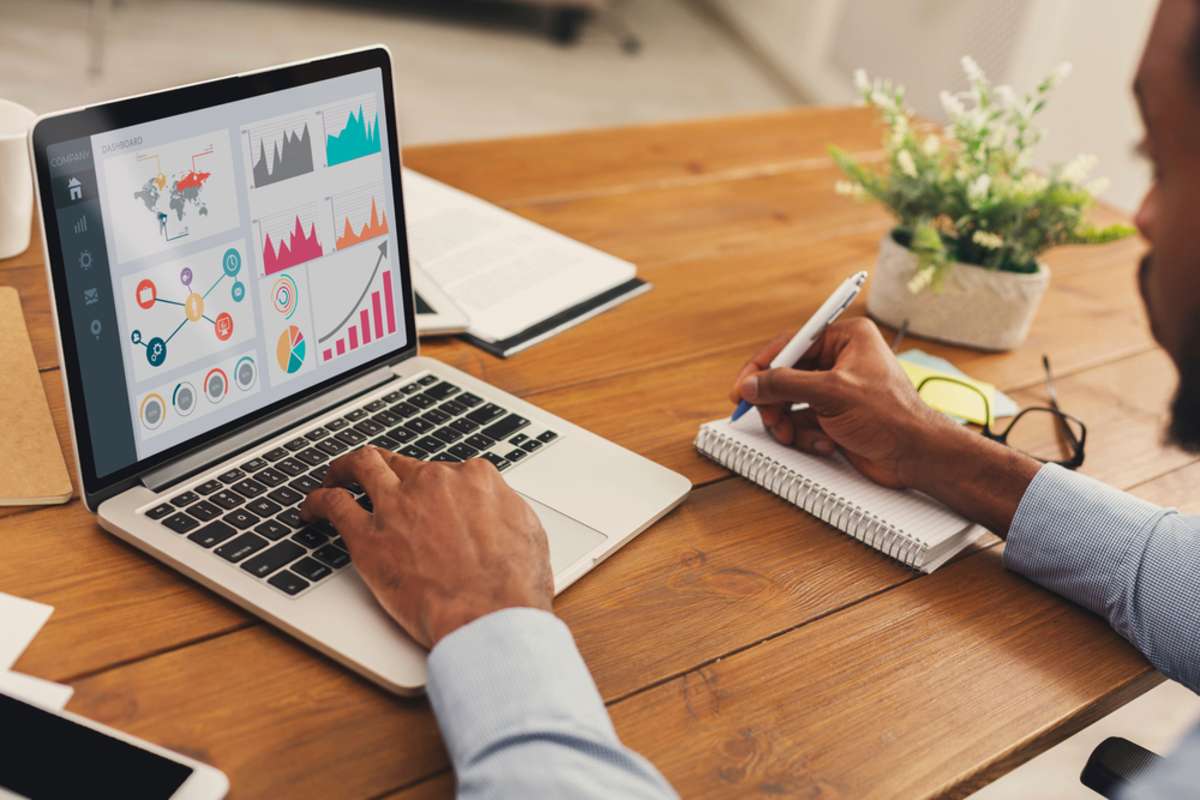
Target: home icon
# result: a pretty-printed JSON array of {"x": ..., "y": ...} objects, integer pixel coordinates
[{"x": 75, "y": 189}]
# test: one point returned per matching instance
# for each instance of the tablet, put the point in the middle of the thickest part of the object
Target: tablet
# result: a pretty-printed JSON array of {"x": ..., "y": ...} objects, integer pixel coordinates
[{"x": 59, "y": 754}]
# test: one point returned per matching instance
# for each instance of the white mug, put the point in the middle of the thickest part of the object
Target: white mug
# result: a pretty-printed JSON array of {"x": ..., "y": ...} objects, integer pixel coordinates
[{"x": 16, "y": 178}]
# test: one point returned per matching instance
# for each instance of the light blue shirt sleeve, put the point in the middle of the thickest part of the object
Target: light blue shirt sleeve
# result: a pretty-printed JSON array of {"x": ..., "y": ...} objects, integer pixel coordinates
[
  {"x": 521, "y": 716},
  {"x": 1132, "y": 562}
]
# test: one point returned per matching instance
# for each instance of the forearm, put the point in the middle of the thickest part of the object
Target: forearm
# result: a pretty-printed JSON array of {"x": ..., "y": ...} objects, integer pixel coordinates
[{"x": 980, "y": 479}]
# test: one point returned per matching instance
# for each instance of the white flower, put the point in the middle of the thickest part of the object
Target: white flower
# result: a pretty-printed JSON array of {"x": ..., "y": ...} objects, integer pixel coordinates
[
  {"x": 1060, "y": 74},
  {"x": 883, "y": 100},
  {"x": 991, "y": 241},
  {"x": 1032, "y": 183},
  {"x": 904, "y": 160},
  {"x": 1097, "y": 186},
  {"x": 951, "y": 105},
  {"x": 978, "y": 188},
  {"x": 848, "y": 188},
  {"x": 1078, "y": 168},
  {"x": 1005, "y": 96},
  {"x": 974, "y": 73},
  {"x": 861, "y": 82},
  {"x": 931, "y": 146},
  {"x": 899, "y": 130},
  {"x": 920, "y": 280}
]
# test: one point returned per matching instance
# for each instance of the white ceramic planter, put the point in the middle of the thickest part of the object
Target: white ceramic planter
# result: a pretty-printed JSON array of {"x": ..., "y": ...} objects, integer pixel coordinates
[{"x": 978, "y": 307}]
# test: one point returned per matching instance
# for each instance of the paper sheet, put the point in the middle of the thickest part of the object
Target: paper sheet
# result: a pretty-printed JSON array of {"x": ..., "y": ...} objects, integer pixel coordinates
[
  {"x": 35, "y": 690},
  {"x": 20, "y": 620}
]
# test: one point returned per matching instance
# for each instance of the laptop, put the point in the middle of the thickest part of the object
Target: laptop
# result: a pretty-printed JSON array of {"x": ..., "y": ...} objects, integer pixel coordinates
[{"x": 235, "y": 309}]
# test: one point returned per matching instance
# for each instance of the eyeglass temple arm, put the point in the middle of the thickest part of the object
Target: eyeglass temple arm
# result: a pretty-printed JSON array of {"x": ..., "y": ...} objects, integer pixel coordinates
[{"x": 1063, "y": 426}]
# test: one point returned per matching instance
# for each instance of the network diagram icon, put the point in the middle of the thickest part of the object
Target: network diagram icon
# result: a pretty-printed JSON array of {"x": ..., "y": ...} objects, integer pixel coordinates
[{"x": 193, "y": 305}]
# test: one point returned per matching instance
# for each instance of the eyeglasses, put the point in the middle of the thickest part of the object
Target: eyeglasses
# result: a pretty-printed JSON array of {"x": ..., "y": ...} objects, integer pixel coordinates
[{"x": 1041, "y": 432}]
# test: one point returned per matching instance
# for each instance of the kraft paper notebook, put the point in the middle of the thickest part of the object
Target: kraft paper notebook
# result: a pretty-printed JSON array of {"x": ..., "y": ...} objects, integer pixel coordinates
[
  {"x": 908, "y": 526},
  {"x": 32, "y": 471}
]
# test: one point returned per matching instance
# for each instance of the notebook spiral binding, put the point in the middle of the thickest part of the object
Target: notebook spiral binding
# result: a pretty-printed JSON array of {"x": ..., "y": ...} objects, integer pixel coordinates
[{"x": 822, "y": 503}]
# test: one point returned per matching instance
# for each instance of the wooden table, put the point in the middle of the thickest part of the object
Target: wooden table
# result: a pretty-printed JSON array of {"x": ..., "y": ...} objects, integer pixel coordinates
[{"x": 742, "y": 646}]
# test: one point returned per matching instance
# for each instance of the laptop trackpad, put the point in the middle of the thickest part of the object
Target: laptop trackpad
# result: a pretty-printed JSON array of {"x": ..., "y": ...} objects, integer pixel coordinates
[{"x": 569, "y": 540}]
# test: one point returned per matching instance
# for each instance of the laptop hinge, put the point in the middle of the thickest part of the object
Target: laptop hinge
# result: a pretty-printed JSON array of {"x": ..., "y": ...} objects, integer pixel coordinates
[{"x": 194, "y": 462}]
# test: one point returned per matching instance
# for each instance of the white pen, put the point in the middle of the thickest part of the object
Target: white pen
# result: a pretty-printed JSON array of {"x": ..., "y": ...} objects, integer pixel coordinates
[{"x": 830, "y": 310}]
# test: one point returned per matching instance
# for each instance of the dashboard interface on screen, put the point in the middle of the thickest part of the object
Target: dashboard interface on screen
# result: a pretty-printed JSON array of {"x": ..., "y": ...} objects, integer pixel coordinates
[{"x": 222, "y": 260}]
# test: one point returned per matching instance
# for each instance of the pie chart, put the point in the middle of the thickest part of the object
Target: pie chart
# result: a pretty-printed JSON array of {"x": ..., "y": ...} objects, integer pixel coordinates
[{"x": 289, "y": 350}]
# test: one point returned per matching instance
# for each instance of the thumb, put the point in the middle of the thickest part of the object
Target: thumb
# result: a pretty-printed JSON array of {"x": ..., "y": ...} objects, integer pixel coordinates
[{"x": 820, "y": 389}]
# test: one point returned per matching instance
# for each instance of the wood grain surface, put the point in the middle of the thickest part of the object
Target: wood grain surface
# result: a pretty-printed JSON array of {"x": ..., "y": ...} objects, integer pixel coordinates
[{"x": 744, "y": 647}]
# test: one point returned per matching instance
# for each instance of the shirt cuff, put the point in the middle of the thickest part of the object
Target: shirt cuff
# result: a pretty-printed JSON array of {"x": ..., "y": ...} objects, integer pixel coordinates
[
  {"x": 507, "y": 673},
  {"x": 1074, "y": 535}
]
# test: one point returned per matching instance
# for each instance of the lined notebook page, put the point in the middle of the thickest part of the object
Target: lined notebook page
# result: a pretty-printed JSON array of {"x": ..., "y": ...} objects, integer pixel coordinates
[{"x": 916, "y": 516}]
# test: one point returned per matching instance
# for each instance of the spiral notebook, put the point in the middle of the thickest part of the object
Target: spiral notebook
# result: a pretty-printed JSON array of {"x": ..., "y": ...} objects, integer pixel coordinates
[{"x": 906, "y": 525}]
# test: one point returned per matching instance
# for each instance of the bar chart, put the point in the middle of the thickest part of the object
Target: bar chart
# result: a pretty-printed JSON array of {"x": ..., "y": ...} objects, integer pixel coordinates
[{"x": 372, "y": 318}]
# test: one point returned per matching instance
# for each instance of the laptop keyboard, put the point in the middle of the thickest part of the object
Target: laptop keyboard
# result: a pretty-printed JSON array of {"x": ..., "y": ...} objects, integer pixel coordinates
[{"x": 249, "y": 515}]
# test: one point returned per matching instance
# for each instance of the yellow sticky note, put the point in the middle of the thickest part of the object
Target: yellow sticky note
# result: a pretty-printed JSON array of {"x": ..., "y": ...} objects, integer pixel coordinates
[{"x": 949, "y": 398}]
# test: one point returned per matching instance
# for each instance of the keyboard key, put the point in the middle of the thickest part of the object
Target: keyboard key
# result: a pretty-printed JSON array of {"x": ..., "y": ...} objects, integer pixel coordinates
[
  {"x": 518, "y": 439},
  {"x": 160, "y": 511},
  {"x": 468, "y": 399},
  {"x": 241, "y": 519},
  {"x": 405, "y": 409},
  {"x": 336, "y": 424},
  {"x": 286, "y": 496},
  {"x": 442, "y": 391},
  {"x": 422, "y": 401},
  {"x": 272, "y": 530},
  {"x": 480, "y": 442},
  {"x": 350, "y": 438},
  {"x": 316, "y": 434},
  {"x": 299, "y": 443},
  {"x": 204, "y": 511},
  {"x": 391, "y": 397},
  {"x": 413, "y": 452},
  {"x": 255, "y": 464},
  {"x": 305, "y": 484},
  {"x": 401, "y": 434},
  {"x": 485, "y": 414},
  {"x": 464, "y": 451},
  {"x": 312, "y": 456},
  {"x": 270, "y": 476},
  {"x": 335, "y": 557},
  {"x": 208, "y": 487},
  {"x": 545, "y": 437},
  {"x": 464, "y": 425},
  {"x": 275, "y": 454},
  {"x": 312, "y": 569},
  {"x": 426, "y": 380},
  {"x": 356, "y": 414},
  {"x": 496, "y": 461},
  {"x": 506, "y": 427},
  {"x": 387, "y": 418},
  {"x": 232, "y": 476},
  {"x": 365, "y": 502},
  {"x": 431, "y": 444},
  {"x": 446, "y": 457},
  {"x": 515, "y": 455},
  {"x": 419, "y": 425},
  {"x": 291, "y": 518},
  {"x": 386, "y": 442},
  {"x": 288, "y": 582},
  {"x": 531, "y": 445},
  {"x": 453, "y": 408},
  {"x": 249, "y": 488},
  {"x": 319, "y": 473},
  {"x": 213, "y": 533},
  {"x": 447, "y": 435},
  {"x": 291, "y": 466},
  {"x": 375, "y": 405},
  {"x": 185, "y": 499},
  {"x": 264, "y": 507},
  {"x": 340, "y": 542},
  {"x": 310, "y": 537},
  {"x": 180, "y": 522},
  {"x": 227, "y": 499},
  {"x": 245, "y": 545},
  {"x": 273, "y": 558},
  {"x": 332, "y": 447},
  {"x": 369, "y": 427},
  {"x": 410, "y": 388},
  {"x": 435, "y": 416}
]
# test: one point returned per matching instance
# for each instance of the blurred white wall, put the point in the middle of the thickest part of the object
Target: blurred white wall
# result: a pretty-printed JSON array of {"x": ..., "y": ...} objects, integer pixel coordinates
[{"x": 817, "y": 44}]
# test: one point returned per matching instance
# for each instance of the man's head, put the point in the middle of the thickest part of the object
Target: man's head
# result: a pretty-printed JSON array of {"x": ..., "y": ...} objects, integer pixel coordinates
[{"x": 1168, "y": 92}]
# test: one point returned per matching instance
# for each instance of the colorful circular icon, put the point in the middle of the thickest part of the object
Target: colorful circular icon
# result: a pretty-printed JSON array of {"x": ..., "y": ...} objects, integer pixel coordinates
[
  {"x": 223, "y": 326},
  {"x": 185, "y": 276},
  {"x": 285, "y": 296},
  {"x": 146, "y": 293},
  {"x": 231, "y": 262},
  {"x": 156, "y": 350},
  {"x": 193, "y": 306},
  {"x": 238, "y": 291},
  {"x": 290, "y": 349},
  {"x": 183, "y": 399},
  {"x": 152, "y": 410},
  {"x": 216, "y": 385},
  {"x": 245, "y": 372},
  {"x": 135, "y": 336}
]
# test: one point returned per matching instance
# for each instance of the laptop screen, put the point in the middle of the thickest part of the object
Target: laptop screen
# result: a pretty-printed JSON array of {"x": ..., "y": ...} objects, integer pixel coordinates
[{"x": 225, "y": 259}]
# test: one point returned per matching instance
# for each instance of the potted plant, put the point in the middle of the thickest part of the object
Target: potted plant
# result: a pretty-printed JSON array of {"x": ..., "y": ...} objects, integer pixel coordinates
[{"x": 972, "y": 215}]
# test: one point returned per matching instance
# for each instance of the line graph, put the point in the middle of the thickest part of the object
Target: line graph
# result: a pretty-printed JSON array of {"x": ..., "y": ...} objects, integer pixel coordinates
[
  {"x": 289, "y": 238},
  {"x": 371, "y": 315},
  {"x": 356, "y": 216},
  {"x": 351, "y": 129},
  {"x": 278, "y": 150}
]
